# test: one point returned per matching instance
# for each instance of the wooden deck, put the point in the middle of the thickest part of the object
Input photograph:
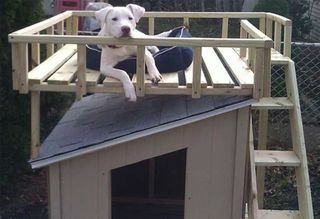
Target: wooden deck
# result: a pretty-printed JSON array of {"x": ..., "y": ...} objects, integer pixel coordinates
[{"x": 221, "y": 68}]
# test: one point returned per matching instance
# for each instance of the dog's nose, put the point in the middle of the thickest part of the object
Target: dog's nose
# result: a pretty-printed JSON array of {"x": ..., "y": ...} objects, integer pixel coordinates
[{"x": 125, "y": 30}]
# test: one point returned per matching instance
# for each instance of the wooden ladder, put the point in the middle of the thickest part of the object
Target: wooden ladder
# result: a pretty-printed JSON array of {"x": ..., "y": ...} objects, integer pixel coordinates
[{"x": 261, "y": 157}]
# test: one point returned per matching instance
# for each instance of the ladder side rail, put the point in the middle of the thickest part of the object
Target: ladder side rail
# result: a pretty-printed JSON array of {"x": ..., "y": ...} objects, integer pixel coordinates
[{"x": 298, "y": 141}]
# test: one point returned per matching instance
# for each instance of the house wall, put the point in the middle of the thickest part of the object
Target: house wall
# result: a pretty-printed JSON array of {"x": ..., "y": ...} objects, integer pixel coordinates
[
  {"x": 216, "y": 148},
  {"x": 315, "y": 16}
]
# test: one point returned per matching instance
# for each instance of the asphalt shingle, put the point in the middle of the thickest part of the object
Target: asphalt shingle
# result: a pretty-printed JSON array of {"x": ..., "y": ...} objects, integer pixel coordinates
[{"x": 102, "y": 117}]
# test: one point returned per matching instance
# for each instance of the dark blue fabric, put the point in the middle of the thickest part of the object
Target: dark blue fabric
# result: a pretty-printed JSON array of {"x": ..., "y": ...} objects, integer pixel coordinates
[{"x": 168, "y": 59}]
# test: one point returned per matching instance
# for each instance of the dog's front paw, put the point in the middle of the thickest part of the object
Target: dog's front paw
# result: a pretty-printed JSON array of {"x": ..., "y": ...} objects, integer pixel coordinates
[
  {"x": 130, "y": 92},
  {"x": 155, "y": 77}
]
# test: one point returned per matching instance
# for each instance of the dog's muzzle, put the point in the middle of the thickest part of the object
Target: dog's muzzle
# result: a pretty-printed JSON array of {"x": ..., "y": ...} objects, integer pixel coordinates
[{"x": 126, "y": 31}]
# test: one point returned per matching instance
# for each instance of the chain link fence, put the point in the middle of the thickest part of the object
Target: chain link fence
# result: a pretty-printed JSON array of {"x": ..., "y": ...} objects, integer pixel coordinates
[{"x": 307, "y": 59}]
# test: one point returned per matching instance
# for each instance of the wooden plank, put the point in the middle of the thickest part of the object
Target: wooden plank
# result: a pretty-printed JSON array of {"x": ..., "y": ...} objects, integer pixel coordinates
[
  {"x": 272, "y": 103},
  {"x": 216, "y": 70},
  {"x": 65, "y": 73},
  {"x": 298, "y": 142},
  {"x": 276, "y": 158},
  {"x": 152, "y": 40},
  {"x": 253, "y": 192},
  {"x": 169, "y": 80},
  {"x": 188, "y": 75},
  {"x": 240, "y": 148},
  {"x": 237, "y": 67},
  {"x": 55, "y": 191},
  {"x": 277, "y": 214},
  {"x": 92, "y": 77},
  {"x": 35, "y": 123},
  {"x": 50, "y": 65}
]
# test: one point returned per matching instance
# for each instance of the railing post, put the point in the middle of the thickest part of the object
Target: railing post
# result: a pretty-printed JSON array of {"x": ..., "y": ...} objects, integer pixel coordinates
[
  {"x": 35, "y": 54},
  {"x": 50, "y": 46},
  {"x": 186, "y": 22},
  {"x": 20, "y": 60},
  {"x": 269, "y": 26},
  {"x": 60, "y": 31},
  {"x": 243, "y": 35},
  {"x": 151, "y": 25},
  {"x": 81, "y": 73},
  {"x": 263, "y": 64},
  {"x": 75, "y": 24},
  {"x": 277, "y": 36},
  {"x": 196, "y": 85},
  {"x": 69, "y": 26},
  {"x": 287, "y": 39},
  {"x": 262, "y": 24},
  {"x": 225, "y": 27},
  {"x": 140, "y": 71}
]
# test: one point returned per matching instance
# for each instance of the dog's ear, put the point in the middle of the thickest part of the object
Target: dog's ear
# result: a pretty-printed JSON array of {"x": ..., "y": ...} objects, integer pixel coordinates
[
  {"x": 102, "y": 13},
  {"x": 137, "y": 11}
]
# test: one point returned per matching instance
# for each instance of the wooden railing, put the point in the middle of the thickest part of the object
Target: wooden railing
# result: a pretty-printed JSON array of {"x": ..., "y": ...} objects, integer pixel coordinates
[{"x": 51, "y": 33}]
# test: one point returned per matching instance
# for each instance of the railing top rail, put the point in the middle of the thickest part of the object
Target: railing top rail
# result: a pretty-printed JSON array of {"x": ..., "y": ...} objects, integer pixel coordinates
[
  {"x": 181, "y": 14},
  {"x": 253, "y": 31},
  {"x": 42, "y": 25},
  {"x": 151, "y": 40},
  {"x": 278, "y": 18},
  {"x": 35, "y": 28}
]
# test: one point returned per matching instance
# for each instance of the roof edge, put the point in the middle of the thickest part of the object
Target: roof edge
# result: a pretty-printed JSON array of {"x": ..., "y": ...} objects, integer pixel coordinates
[{"x": 35, "y": 164}]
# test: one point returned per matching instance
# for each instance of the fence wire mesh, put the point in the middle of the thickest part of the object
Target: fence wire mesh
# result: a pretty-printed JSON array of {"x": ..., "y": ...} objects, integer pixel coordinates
[{"x": 307, "y": 60}]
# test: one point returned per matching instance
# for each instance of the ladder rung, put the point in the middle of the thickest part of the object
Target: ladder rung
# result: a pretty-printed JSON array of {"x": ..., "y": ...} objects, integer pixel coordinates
[
  {"x": 278, "y": 214},
  {"x": 276, "y": 158},
  {"x": 273, "y": 103}
]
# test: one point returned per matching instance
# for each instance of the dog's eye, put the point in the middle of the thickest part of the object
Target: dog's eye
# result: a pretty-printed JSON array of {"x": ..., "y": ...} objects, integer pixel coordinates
[
  {"x": 115, "y": 19},
  {"x": 130, "y": 18}
]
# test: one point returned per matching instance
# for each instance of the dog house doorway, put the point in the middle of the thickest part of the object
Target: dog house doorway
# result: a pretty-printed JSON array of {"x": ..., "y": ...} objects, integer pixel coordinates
[{"x": 153, "y": 188}]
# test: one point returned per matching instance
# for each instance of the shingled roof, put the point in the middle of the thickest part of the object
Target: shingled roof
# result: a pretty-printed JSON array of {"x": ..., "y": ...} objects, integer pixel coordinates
[{"x": 102, "y": 120}]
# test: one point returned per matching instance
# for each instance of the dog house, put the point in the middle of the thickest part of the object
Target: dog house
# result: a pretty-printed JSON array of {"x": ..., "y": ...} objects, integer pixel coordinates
[
  {"x": 95, "y": 138},
  {"x": 200, "y": 116}
]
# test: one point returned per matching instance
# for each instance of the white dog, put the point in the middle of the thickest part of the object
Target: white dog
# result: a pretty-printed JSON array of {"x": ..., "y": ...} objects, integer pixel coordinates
[{"x": 121, "y": 22}]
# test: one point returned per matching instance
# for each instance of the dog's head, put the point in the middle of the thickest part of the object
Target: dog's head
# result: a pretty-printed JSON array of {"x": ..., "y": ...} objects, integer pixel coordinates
[{"x": 119, "y": 21}]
